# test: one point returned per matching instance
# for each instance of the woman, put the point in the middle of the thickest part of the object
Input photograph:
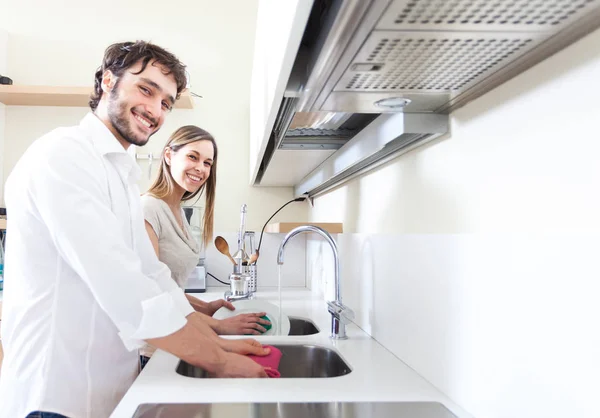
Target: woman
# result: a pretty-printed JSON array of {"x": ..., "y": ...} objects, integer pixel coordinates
[{"x": 187, "y": 168}]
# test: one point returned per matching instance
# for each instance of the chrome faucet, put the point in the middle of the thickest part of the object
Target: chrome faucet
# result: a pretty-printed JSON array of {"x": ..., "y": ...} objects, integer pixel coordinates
[{"x": 340, "y": 314}]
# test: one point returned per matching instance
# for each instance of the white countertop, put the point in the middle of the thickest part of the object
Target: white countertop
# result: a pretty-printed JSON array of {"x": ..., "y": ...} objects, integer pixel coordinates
[{"x": 377, "y": 375}]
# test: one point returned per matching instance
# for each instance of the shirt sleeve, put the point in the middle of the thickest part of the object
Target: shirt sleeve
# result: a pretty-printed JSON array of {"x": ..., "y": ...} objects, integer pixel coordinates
[{"x": 68, "y": 189}]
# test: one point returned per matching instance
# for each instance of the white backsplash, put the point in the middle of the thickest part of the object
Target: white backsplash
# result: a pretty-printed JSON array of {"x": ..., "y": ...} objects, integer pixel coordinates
[
  {"x": 293, "y": 271},
  {"x": 515, "y": 311}
]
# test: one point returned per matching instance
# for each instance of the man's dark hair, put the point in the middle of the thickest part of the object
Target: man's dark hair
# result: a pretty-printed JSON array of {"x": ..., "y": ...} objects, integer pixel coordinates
[{"x": 121, "y": 56}]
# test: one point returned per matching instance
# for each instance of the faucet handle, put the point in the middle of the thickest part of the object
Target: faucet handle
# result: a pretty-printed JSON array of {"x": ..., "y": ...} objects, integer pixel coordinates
[{"x": 341, "y": 312}]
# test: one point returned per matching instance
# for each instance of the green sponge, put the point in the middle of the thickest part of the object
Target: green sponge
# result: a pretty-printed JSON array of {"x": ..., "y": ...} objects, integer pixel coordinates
[
  {"x": 266, "y": 327},
  {"x": 266, "y": 318}
]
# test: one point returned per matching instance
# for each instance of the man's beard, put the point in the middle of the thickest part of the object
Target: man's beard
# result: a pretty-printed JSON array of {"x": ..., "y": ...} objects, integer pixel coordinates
[{"x": 118, "y": 114}]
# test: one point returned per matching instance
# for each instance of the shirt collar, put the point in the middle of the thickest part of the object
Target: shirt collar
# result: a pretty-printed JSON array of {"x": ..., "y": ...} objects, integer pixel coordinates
[{"x": 107, "y": 145}]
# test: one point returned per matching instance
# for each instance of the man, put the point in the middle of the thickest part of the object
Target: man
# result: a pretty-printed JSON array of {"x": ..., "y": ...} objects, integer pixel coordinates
[{"x": 83, "y": 286}]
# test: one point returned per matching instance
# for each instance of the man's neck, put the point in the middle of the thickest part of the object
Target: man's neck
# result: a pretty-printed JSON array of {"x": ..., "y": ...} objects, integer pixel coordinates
[{"x": 103, "y": 117}]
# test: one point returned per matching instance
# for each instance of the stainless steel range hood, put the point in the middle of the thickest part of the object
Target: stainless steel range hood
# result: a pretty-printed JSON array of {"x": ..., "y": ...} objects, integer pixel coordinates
[
  {"x": 388, "y": 135},
  {"x": 429, "y": 56}
]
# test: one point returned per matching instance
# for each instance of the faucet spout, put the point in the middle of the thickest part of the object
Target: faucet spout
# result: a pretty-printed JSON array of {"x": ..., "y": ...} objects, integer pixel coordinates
[{"x": 340, "y": 314}]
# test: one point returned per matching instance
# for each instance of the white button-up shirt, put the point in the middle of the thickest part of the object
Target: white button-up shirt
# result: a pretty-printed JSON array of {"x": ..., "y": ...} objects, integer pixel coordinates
[{"x": 83, "y": 287}]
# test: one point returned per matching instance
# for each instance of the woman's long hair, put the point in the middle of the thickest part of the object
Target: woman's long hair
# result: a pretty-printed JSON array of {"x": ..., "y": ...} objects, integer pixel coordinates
[{"x": 164, "y": 185}]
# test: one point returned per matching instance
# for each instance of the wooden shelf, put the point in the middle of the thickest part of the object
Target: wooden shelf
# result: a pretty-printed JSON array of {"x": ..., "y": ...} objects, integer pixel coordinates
[
  {"x": 15, "y": 95},
  {"x": 285, "y": 227}
]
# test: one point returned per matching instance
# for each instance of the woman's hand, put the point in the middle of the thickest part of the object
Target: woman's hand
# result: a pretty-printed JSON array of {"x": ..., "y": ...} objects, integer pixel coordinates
[
  {"x": 243, "y": 324},
  {"x": 215, "y": 305},
  {"x": 208, "y": 308},
  {"x": 244, "y": 346}
]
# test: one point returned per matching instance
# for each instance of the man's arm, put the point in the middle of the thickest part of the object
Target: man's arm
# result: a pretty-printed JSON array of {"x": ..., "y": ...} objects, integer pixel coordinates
[
  {"x": 185, "y": 344},
  {"x": 67, "y": 190},
  {"x": 198, "y": 345}
]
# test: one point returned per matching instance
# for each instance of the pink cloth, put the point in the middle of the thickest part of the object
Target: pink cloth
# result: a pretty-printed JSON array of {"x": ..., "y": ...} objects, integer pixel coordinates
[{"x": 271, "y": 360}]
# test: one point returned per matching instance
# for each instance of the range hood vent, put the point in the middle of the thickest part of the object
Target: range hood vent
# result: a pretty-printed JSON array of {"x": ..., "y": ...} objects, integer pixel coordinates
[
  {"x": 385, "y": 138},
  {"x": 435, "y": 52},
  {"x": 323, "y": 130}
]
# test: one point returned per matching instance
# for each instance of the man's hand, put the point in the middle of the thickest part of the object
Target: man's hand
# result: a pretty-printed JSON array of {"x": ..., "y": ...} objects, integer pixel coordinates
[
  {"x": 243, "y": 324},
  {"x": 240, "y": 366},
  {"x": 215, "y": 305},
  {"x": 245, "y": 346}
]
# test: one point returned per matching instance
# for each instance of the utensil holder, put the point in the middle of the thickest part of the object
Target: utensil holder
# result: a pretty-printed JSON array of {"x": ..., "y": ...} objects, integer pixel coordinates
[
  {"x": 240, "y": 284},
  {"x": 251, "y": 271}
]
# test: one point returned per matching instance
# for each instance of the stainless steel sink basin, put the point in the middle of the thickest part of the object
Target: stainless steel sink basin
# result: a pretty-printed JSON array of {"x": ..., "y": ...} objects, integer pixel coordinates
[
  {"x": 301, "y": 326},
  {"x": 297, "y": 361},
  {"x": 311, "y": 361},
  {"x": 296, "y": 410}
]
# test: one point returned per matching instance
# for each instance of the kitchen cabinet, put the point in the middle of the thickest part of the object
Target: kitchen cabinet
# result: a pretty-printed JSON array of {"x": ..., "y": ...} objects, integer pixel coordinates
[{"x": 279, "y": 29}]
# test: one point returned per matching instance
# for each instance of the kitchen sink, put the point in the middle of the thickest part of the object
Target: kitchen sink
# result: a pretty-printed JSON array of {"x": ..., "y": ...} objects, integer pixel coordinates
[
  {"x": 301, "y": 326},
  {"x": 297, "y": 361},
  {"x": 290, "y": 409}
]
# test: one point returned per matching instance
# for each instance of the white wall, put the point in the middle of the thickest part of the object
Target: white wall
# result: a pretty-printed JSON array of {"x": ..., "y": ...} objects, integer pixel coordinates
[
  {"x": 64, "y": 46},
  {"x": 473, "y": 258}
]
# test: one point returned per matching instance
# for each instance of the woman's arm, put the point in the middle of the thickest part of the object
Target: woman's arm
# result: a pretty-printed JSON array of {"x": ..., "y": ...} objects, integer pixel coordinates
[
  {"x": 209, "y": 308},
  {"x": 243, "y": 324},
  {"x": 237, "y": 325},
  {"x": 198, "y": 305},
  {"x": 152, "y": 235}
]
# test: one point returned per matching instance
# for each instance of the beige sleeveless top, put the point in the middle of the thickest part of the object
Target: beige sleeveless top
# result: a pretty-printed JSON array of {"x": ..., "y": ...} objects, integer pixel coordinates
[{"x": 176, "y": 248}]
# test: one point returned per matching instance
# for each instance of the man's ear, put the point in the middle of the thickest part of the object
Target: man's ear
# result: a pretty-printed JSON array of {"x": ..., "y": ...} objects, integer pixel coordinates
[{"x": 108, "y": 81}]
